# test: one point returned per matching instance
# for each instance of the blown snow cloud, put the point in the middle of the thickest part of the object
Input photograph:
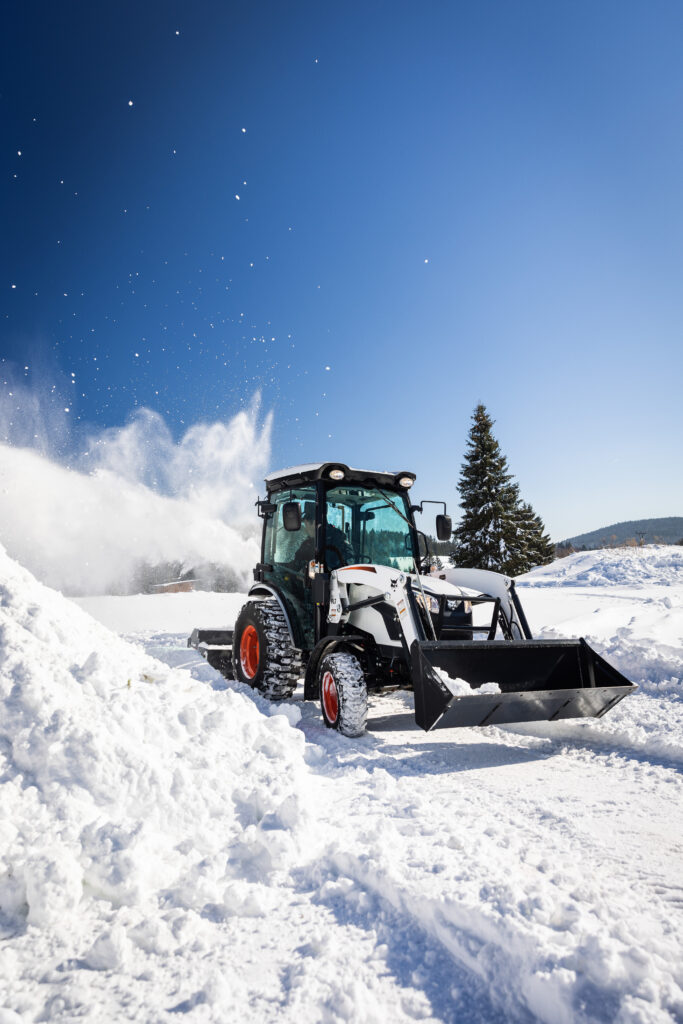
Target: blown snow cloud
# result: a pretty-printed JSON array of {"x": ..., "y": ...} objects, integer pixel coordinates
[{"x": 135, "y": 494}]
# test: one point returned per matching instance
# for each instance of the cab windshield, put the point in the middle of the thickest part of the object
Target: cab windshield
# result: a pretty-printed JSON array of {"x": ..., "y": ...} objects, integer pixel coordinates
[{"x": 364, "y": 526}]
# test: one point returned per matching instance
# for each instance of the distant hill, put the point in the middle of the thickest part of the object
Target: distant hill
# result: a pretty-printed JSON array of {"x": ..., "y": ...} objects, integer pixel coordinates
[{"x": 656, "y": 531}]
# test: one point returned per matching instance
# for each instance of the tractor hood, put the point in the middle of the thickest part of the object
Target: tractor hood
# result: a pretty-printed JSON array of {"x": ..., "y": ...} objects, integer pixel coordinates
[{"x": 436, "y": 587}]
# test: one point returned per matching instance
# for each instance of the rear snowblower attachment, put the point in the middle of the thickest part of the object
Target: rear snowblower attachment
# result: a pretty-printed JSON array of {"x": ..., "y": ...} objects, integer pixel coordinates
[{"x": 539, "y": 681}]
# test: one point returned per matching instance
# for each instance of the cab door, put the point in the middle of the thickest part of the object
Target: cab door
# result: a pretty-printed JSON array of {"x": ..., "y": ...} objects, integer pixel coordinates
[{"x": 283, "y": 571}]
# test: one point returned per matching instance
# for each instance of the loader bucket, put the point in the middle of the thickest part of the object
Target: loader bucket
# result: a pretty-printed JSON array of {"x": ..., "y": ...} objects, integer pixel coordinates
[{"x": 539, "y": 680}]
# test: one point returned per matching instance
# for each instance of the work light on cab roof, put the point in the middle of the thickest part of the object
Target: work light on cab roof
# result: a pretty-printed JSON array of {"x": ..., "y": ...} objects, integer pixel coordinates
[{"x": 345, "y": 598}]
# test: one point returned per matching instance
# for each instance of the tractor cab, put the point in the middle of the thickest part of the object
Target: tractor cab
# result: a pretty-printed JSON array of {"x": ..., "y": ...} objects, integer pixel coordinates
[{"x": 323, "y": 517}]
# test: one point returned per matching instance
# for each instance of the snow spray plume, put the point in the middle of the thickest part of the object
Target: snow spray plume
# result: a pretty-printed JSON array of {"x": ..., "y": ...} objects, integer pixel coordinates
[
  {"x": 213, "y": 466},
  {"x": 144, "y": 499},
  {"x": 35, "y": 416}
]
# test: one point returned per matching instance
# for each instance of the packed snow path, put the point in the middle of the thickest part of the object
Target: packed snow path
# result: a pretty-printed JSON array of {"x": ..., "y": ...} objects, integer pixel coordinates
[{"x": 174, "y": 845}]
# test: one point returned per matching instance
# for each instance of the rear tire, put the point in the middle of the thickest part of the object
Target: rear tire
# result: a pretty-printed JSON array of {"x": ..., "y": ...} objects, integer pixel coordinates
[
  {"x": 262, "y": 651},
  {"x": 343, "y": 693}
]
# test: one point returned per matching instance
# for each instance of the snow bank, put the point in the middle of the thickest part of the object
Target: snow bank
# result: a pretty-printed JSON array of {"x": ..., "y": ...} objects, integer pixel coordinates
[
  {"x": 659, "y": 564},
  {"x": 137, "y": 805},
  {"x": 627, "y": 602}
]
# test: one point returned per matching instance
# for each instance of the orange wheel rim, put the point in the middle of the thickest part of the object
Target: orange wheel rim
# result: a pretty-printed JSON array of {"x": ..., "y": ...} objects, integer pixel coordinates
[
  {"x": 330, "y": 697},
  {"x": 249, "y": 652}
]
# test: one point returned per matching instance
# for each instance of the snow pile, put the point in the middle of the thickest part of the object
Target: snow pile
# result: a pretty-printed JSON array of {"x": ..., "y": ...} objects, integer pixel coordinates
[
  {"x": 628, "y": 603},
  {"x": 636, "y": 625},
  {"x": 140, "y": 809},
  {"x": 461, "y": 688},
  {"x": 658, "y": 564}
]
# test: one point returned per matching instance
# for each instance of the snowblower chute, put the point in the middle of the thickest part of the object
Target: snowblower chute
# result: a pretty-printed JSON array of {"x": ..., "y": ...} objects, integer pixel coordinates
[
  {"x": 537, "y": 680},
  {"x": 344, "y": 595}
]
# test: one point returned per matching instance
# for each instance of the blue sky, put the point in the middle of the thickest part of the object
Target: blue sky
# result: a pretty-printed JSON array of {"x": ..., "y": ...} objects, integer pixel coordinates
[{"x": 444, "y": 204}]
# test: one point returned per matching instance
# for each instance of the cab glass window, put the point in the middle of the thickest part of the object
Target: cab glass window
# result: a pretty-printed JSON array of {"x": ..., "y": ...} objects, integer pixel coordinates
[
  {"x": 370, "y": 525},
  {"x": 282, "y": 545}
]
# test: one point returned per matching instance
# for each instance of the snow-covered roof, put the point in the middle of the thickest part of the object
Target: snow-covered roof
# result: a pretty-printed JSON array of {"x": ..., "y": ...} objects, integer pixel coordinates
[{"x": 294, "y": 470}]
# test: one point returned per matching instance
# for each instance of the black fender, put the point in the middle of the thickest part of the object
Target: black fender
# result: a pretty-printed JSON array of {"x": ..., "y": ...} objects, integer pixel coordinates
[
  {"x": 324, "y": 646},
  {"x": 267, "y": 590}
]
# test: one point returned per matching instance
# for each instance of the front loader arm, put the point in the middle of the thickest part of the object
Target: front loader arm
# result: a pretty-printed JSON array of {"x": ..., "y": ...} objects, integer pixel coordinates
[
  {"x": 391, "y": 587},
  {"x": 494, "y": 584}
]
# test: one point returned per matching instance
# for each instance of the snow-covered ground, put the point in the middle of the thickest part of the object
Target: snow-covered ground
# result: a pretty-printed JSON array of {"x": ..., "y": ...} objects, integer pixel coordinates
[{"x": 174, "y": 845}]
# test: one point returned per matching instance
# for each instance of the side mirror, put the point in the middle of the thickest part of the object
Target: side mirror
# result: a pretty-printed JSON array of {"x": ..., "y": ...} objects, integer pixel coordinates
[
  {"x": 444, "y": 528},
  {"x": 291, "y": 516}
]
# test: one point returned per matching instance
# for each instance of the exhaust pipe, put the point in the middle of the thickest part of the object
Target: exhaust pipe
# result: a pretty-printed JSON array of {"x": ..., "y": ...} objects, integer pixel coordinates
[{"x": 539, "y": 681}]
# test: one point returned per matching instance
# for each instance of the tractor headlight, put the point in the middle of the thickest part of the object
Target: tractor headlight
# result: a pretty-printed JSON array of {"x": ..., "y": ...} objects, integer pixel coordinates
[
  {"x": 406, "y": 481},
  {"x": 432, "y": 603},
  {"x": 336, "y": 474}
]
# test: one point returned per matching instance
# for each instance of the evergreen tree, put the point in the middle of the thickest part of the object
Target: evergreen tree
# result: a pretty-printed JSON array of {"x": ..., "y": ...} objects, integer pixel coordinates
[
  {"x": 489, "y": 499},
  {"x": 497, "y": 531},
  {"x": 542, "y": 548},
  {"x": 533, "y": 545}
]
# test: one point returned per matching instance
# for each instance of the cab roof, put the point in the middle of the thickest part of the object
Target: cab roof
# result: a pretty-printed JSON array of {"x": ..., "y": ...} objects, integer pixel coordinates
[{"x": 312, "y": 471}]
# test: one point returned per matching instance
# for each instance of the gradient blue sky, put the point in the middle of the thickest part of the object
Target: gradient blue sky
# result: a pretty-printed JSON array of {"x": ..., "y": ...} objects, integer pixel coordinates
[{"x": 443, "y": 203}]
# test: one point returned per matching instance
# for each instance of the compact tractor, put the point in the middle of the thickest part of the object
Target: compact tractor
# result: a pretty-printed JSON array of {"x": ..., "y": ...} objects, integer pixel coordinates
[{"x": 345, "y": 596}]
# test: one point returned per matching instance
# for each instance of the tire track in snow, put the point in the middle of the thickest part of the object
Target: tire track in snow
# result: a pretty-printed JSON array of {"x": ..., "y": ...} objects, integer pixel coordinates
[
  {"x": 548, "y": 940},
  {"x": 501, "y": 889}
]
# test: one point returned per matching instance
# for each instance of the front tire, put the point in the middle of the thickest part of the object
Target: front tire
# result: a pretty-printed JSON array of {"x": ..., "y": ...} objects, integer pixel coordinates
[
  {"x": 343, "y": 693},
  {"x": 262, "y": 651}
]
